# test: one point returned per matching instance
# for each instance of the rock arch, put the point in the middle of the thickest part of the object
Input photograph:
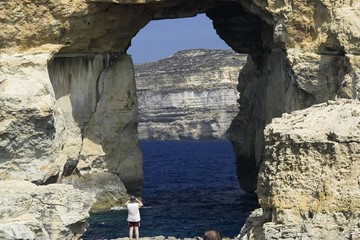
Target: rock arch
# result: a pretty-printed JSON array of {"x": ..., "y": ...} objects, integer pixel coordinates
[{"x": 68, "y": 93}]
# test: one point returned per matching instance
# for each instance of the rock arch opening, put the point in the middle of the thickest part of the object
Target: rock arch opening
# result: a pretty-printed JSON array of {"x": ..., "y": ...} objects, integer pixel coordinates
[
  {"x": 245, "y": 32},
  {"x": 96, "y": 101},
  {"x": 300, "y": 55},
  {"x": 92, "y": 79},
  {"x": 162, "y": 38},
  {"x": 190, "y": 93}
]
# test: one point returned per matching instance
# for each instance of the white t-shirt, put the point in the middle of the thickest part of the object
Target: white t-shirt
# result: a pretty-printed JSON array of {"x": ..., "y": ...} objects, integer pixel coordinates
[{"x": 133, "y": 212}]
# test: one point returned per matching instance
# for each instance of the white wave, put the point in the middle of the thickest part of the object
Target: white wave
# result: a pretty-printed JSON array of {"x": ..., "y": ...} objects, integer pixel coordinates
[
  {"x": 118, "y": 208},
  {"x": 147, "y": 207}
]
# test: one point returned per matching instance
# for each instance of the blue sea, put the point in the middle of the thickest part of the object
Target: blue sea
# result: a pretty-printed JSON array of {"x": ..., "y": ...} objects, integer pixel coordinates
[{"x": 189, "y": 186}]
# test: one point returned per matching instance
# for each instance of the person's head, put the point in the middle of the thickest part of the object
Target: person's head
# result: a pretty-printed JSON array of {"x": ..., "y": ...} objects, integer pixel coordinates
[
  {"x": 212, "y": 234},
  {"x": 132, "y": 199}
]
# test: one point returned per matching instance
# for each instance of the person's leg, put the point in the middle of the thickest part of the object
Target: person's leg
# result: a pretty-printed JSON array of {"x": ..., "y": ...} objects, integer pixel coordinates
[
  {"x": 137, "y": 232},
  {"x": 131, "y": 232}
]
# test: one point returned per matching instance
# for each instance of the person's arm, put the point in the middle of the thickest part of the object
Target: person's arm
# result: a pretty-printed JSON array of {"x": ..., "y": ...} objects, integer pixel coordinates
[
  {"x": 127, "y": 202},
  {"x": 140, "y": 203}
]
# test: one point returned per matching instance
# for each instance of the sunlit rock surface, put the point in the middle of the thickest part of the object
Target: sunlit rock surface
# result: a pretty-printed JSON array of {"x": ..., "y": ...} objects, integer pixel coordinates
[
  {"x": 301, "y": 53},
  {"x": 28, "y": 142},
  {"x": 189, "y": 95},
  {"x": 96, "y": 121},
  {"x": 56, "y": 211},
  {"x": 308, "y": 53},
  {"x": 309, "y": 184}
]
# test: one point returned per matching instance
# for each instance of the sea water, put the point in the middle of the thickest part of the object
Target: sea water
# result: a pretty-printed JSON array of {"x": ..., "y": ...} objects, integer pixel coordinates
[{"x": 189, "y": 186}]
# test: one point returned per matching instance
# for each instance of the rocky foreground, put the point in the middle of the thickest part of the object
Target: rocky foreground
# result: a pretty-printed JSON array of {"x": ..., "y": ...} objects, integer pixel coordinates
[
  {"x": 161, "y": 238},
  {"x": 55, "y": 211},
  {"x": 166, "y": 238},
  {"x": 309, "y": 182}
]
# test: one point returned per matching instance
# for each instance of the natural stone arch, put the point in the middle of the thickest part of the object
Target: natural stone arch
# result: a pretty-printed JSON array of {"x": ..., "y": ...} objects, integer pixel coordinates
[
  {"x": 90, "y": 155},
  {"x": 308, "y": 53},
  {"x": 80, "y": 81},
  {"x": 287, "y": 36},
  {"x": 295, "y": 61}
]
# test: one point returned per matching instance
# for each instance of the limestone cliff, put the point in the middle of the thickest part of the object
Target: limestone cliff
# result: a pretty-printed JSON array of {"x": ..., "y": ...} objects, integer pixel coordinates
[
  {"x": 301, "y": 53},
  {"x": 68, "y": 99},
  {"x": 42, "y": 212},
  {"x": 92, "y": 101},
  {"x": 309, "y": 184},
  {"x": 189, "y": 95}
]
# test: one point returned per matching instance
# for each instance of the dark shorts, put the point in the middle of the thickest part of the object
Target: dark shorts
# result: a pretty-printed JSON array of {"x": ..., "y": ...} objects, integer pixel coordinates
[{"x": 134, "y": 224}]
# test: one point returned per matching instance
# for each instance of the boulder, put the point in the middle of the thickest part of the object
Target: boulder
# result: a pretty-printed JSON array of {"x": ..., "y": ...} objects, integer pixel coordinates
[{"x": 56, "y": 211}]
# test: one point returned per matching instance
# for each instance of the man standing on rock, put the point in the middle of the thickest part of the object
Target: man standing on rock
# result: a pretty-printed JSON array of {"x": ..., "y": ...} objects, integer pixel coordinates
[{"x": 133, "y": 219}]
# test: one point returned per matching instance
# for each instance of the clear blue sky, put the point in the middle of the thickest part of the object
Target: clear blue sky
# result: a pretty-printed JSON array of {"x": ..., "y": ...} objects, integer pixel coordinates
[{"x": 162, "y": 38}]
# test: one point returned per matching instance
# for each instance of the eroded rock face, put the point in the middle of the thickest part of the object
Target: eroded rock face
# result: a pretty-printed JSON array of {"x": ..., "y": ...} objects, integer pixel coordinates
[
  {"x": 308, "y": 183},
  {"x": 96, "y": 112},
  {"x": 108, "y": 188},
  {"x": 307, "y": 54},
  {"x": 56, "y": 211},
  {"x": 68, "y": 90},
  {"x": 28, "y": 146},
  {"x": 189, "y": 95},
  {"x": 67, "y": 87}
]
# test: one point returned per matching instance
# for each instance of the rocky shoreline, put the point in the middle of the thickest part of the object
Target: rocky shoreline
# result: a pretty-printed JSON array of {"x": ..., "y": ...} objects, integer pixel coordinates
[
  {"x": 167, "y": 238},
  {"x": 69, "y": 112},
  {"x": 160, "y": 238},
  {"x": 55, "y": 211},
  {"x": 309, "y": 181}
]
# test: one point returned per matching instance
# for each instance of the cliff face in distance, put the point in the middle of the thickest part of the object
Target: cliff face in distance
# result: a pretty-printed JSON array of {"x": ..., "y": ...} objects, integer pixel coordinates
[{"x": 189, "y": 95}]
